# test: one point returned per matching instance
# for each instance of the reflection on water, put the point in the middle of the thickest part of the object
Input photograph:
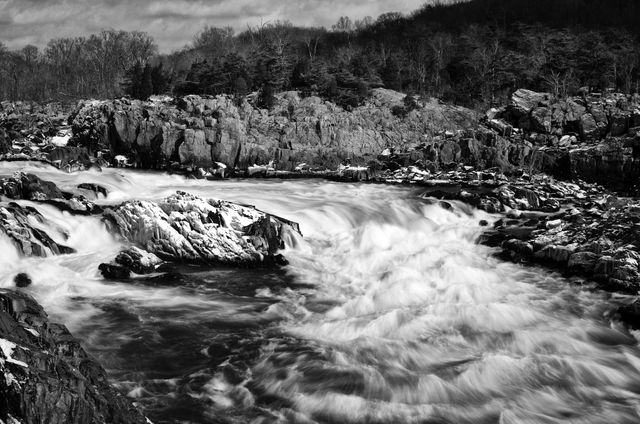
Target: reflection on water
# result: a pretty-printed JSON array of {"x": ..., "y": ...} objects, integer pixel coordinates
[{"x": 388, "y": 313}]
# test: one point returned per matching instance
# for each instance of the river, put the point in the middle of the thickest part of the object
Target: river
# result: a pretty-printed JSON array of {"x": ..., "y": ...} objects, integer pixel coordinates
[{"x": 388, "y": 312}]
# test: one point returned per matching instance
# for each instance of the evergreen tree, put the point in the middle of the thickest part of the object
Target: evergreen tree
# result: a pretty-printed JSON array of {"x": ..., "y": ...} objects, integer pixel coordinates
[
  {"x": 133, "y": 81},
  {"x": 146, "y": 85}
]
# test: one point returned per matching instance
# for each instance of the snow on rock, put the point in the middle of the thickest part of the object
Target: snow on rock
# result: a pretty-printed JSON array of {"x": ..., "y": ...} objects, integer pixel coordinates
[
  {"x": 187, "y": 228},
  {"x": 62, "y": 139},
  {"x": 7, "y": 348}
]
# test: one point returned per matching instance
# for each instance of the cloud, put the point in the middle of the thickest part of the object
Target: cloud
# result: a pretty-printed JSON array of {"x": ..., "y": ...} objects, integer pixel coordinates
[{"x": 171, "y": 22}]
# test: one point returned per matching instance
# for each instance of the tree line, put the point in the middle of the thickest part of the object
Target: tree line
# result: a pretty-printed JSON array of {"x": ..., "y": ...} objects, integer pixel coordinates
[
  {"x": 472, "y": 53},
  {"x": 68, "y": 69}
]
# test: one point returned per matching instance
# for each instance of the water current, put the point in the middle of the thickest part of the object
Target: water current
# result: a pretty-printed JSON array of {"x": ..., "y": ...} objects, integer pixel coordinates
[{"x": 388, "y": 312}]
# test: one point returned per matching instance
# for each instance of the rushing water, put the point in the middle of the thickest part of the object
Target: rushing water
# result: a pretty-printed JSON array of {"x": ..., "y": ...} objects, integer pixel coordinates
[{"x": 389, "y": 312}]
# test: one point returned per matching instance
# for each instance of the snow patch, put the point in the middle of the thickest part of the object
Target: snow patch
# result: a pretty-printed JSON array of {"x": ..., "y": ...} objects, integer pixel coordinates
[
  {"x": 62, "y": 139},
  {"x": 7, "y": 348},
  {"x": 32, "y": 331}
]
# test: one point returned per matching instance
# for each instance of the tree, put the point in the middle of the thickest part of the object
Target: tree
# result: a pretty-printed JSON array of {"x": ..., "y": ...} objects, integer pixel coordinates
[
  {"x": 344, "y": 24},
  {"x": 266, "y": 97},
  {"x": 391, "y": 75}
]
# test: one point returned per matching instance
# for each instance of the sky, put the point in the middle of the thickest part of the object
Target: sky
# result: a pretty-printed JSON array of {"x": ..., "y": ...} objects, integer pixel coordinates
[{"x": 172, "y": 23}]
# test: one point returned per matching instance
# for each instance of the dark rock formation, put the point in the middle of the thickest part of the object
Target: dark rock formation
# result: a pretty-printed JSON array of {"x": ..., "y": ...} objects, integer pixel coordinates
[
  {"x": 31, "y": 187},
  {"x": 47, "y": 377},
  {"x": 114, "y": 271},
  {"x": 22, "y": 280},
  {"x": 130, "y": 260},
  {"x": 96, "y": 189},
  {"x": 576, "y": 227},
  {"x": 187, "y": 228},
  {"x": 16, "y": 224},
  {"x": 29, "y": 131}
]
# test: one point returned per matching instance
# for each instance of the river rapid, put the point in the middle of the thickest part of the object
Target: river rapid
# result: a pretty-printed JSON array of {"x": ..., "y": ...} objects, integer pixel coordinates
[{"x": 388, "y": 312}]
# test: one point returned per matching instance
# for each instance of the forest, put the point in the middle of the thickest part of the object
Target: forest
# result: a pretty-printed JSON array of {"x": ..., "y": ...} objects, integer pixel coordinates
[{"x": 473, "y": 53}]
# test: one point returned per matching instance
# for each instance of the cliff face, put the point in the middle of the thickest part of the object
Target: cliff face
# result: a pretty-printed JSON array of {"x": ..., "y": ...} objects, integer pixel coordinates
[
  {"x": 199, "y": 131},
  {"x": 47, "y": 377},
  {"x": 594, "y": 137}
]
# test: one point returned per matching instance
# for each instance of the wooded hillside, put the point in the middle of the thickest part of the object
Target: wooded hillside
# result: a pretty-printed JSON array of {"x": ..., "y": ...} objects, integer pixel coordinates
[{"x": 472, "y": 53}]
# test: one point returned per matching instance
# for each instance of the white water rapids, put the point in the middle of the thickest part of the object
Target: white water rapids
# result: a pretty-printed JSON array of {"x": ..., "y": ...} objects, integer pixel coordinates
[{"x": 388, "y": 312}]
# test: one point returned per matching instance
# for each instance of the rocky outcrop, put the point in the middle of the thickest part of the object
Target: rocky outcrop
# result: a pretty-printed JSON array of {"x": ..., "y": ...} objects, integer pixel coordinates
[
  {"x": 576, "y": 227},
  {"x": 34, "y": 132},
  {"x": 20, "y": 225},
  {"x": 31, "y": 187},
  {"x": 47, "y": 377},
  {"x": 187, "y": 228},
  {"x": 204, "y": 132},
  {"x": 130, "y": 260},
  {"x": 307, "y": 136}
]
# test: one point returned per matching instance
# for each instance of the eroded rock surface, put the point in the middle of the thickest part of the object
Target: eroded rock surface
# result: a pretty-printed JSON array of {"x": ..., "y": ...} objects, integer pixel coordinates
[
  {"x": 130, "y": 260},
  {"x": 21, "y": 225},
  {"x": 46, "y": 375},
  {"x": 31, "y": 187},
  {"x": 187, "y": 228}
]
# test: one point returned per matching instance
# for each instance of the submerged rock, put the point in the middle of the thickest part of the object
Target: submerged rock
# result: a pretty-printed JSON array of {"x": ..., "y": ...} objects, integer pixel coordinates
[
  {"x": 187, "y": 228},
  {"x": 47, "y": 377},
  {"x": 22, "y": 280}
]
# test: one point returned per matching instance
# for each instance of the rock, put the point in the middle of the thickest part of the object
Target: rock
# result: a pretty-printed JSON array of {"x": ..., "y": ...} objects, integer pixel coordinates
[
  {"x": 22, "y": 280},
  {"x": 541, "y": 119},
  {"x": 187, "y": 228},
  {"x": 30, "y": 187},
  {"x": 351, "y": 173},
  {"x": 519, "y": 247},
  {"x": 619, "y": 123},
  {"x": 567, "y": 140},
  {"x": 46, "y": 374},
  {"x": 114, "y": 271},
  {"x": 94, "y": 188},
  {"x": 583, "y": 262},
  {"x": 555, "y": 253},
  {"x": 524, "y": 101},
  {"x": 199, "y": 130},
  {"x": 17, "y": 223},
  {"x": 138, "y": 260},
  {"x": 589, "y": 130},
  {"x": 502, "y": 128}
]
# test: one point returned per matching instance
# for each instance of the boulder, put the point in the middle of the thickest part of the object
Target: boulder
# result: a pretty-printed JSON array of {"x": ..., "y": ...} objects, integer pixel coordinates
[
  {"x": 114, "y": 271},
  {"x": 138, "y": 260},
  {"x": 541, "y": 119},
  {"x": 187, "y": 228},
  {"x": 583, "y": 262},
  {"x": 524, "y": 101},
  {"x": 22, "y": 280},
  {"x": 589, "y": 130},
  {"x": 46, "y": 375},
  {"x": 619, "y": 123},
  {"x": 96, "y": 189}
]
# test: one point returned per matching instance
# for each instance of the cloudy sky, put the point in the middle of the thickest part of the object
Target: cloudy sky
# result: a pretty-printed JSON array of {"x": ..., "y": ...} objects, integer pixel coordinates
[{"x": 171, "y": 22}]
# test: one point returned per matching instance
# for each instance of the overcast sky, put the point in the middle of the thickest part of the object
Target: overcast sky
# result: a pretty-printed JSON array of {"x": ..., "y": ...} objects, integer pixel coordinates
[{"x": 171, "y": 22}]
